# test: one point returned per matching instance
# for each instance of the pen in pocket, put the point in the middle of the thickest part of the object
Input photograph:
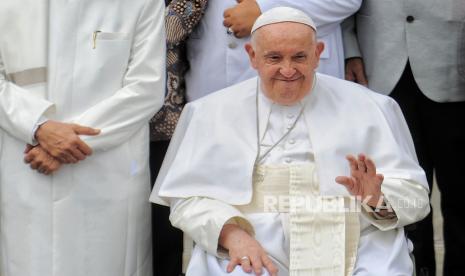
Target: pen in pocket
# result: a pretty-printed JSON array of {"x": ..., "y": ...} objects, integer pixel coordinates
[{"x": 94, "y": 39}]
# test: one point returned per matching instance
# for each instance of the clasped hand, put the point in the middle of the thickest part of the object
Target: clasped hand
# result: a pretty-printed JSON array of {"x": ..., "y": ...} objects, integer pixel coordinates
[{"x": 59, "y": 143}]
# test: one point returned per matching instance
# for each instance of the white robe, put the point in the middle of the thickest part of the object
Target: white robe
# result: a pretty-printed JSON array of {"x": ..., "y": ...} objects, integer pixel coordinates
[
  {"x": 342, "y": 118},
  {"x": 90, "y": 218},
  {"x": 218, "y": 60}
]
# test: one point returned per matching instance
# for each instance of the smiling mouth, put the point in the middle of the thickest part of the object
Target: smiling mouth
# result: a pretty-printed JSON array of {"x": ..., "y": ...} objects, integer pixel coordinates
[
  {"x": 288, "y": 80},
  {"x": 295, "y": 78}
]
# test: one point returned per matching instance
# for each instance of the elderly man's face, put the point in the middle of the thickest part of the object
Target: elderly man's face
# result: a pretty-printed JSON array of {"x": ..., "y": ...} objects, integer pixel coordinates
[{"x": 285, "y": 56}]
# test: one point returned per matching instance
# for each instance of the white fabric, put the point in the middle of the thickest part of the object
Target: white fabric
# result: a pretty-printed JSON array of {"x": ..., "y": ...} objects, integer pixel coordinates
[
  {"x": 91, "y": 218},
  {"x": 24, "y": 34},
  {"x": 218, "y": 60},
  {"x": 380, "y": 252},
  {"x": 334, "y": 108},
  {"x": 273, "y": 232},
  {"x": 20, "y": 28},
  {"x": 296, "y": 146},
  {"x": 282, "y": 14}
]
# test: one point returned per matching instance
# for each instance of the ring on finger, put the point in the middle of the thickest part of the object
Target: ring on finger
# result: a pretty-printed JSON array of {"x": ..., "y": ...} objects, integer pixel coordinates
[{"x": 245, "y": 258}]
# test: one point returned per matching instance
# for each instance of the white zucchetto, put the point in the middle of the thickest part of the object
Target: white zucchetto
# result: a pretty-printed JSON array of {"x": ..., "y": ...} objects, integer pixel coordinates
[{"x": 282, "y": 14}]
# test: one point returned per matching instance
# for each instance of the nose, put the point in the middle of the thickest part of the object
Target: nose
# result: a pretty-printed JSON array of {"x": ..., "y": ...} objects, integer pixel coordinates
[{"x": 287, "y": 70}]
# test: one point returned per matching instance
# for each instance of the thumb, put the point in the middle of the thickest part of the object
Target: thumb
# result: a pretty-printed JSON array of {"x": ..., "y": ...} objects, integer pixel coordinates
[
  {"x": 83, "y": 130},
  {"x": 346, "y": 182},
  {"x": 343, "y": 180},
  {"x": 28, "y": 148}
]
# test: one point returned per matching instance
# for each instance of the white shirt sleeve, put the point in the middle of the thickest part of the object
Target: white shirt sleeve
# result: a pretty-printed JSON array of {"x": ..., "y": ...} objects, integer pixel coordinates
[{"x": 203, "y": 219}]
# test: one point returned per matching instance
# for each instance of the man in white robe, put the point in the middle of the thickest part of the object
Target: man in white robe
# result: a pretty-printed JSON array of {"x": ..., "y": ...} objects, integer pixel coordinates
[
  {"x": 248, "y": 167},
  {"x": 216, "y": 46},
  {"x": 77, "y": 78}
]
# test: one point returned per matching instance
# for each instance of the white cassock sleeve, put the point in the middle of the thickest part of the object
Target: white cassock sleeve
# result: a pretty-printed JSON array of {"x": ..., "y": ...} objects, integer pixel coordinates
[
  {"x": 130, "y": 108},
  {"x": 327, "y": 14},
  {"x": 19, "y": 110},
  {"x": 408, "y": 199},
  {"x": 203, "y": 218}
]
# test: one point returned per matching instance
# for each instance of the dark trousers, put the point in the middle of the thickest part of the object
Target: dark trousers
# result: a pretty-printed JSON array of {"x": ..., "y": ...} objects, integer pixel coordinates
[
  {"x": 167, "y": 240},
  {"x": 438, "y": 131}
]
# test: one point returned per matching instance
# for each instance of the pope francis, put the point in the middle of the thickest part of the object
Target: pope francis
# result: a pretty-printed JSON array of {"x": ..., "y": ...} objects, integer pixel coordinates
[
  {"x": 277, "y": 174},
  {"x": 79, "y": 80}
]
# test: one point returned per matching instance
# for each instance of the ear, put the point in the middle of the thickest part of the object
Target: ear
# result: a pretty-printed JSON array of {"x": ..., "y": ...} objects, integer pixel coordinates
[
  {"x": 320, "y": 46},
  {"x": 252, "y": 55}
]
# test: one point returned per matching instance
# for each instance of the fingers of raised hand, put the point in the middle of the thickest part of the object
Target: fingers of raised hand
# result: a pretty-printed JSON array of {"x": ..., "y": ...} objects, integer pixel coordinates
[
  {"x": 371, "y": 168},
  {"x": 362, "y": 168},
  {"x": 352, "y": 162}
]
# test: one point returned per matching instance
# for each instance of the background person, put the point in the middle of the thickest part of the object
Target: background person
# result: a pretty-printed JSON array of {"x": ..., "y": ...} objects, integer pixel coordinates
[
  {"x": 79, "y": 81},
  {"x": 406, "y": 52}
]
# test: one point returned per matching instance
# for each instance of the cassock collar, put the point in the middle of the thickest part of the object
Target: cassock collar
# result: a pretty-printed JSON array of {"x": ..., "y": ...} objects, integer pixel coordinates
[{"x": 265, "y": 104}]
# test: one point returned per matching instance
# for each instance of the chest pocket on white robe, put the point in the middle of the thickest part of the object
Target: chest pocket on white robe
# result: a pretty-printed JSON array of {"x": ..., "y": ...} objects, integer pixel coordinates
[
  {"x": 100, "y": 66},
  {"x": 111, "y": 53}
]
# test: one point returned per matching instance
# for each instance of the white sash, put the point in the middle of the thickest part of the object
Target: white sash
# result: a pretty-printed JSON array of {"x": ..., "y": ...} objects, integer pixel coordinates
[{"x": 323, "y": 235}]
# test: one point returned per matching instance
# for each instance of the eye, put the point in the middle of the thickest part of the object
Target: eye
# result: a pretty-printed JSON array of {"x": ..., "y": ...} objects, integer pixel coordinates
[
  {"x": 273, "y": 58},
  {"x": 300, "y": 58}
]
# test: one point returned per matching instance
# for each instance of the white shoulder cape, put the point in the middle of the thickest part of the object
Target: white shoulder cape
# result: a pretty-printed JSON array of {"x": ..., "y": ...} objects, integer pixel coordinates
[{"x": 214, "y": 147}]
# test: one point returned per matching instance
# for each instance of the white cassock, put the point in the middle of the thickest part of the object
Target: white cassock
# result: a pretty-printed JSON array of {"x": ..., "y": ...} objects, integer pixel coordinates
[
  {"x": 218, "y": 60},
  {"x": 207, "y": 173},
  {"x": 91, "y": 218}
]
